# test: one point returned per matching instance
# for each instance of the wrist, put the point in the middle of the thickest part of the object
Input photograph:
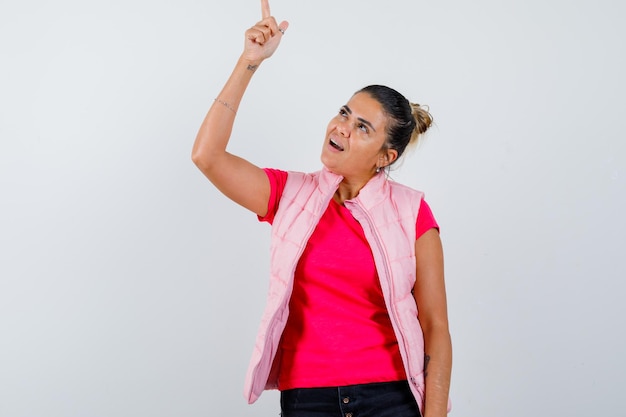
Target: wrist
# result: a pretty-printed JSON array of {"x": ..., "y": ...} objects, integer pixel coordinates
[{"x": 250, "y": 64}]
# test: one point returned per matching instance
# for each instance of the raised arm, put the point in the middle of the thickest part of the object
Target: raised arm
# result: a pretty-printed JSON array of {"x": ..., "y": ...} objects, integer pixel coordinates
[
  {"x": 240, "y": 180},
  {"x": 430, "y": 296}
]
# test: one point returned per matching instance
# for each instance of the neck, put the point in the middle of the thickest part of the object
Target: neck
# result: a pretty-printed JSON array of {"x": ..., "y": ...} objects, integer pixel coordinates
[{"x": 349, "y": 189}]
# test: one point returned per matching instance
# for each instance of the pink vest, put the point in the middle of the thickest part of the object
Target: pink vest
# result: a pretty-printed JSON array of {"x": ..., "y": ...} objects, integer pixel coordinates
[{"x": 388, "y": 212}]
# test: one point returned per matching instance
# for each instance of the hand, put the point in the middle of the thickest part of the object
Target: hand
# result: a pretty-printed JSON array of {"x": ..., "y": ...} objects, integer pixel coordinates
[{"x": 263, "y": 38}]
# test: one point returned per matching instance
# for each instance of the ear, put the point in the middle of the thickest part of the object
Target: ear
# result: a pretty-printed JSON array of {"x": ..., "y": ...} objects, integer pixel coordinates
[{"x": 388, "y": 156}]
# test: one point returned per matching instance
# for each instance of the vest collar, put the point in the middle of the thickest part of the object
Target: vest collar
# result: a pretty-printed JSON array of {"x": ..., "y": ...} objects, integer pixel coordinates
[
  {"x": 328, "y": 181},
  {"x": 376, "y": 189}
]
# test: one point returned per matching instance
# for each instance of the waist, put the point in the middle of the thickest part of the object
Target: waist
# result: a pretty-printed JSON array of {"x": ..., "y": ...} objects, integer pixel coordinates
[{"x": 380, "y": 398}]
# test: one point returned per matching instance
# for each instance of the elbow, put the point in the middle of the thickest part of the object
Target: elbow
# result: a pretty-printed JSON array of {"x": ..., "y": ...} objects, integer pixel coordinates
[
  {"x": 436, "y": 328},
  {"x": 202, "y": 160},
  {"x": 196, "y": 158},
  {"x": 207, "y": 162}
]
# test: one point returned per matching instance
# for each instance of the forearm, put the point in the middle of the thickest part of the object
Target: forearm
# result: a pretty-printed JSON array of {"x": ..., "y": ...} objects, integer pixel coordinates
[
  {"x": 215, "y": 131},
  {"x": 437, "y": 370}
]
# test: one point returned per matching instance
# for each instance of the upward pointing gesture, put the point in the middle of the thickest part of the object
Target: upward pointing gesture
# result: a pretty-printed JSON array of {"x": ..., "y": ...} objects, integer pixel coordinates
[
  {"x": 265, "y": 9},
  {"x": 263, "y": 38},
  {"x": 240, "y": 180}
]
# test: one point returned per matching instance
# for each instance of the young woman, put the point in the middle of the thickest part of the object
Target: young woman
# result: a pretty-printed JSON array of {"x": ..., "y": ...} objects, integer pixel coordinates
[{"x": 356, "y": 320}]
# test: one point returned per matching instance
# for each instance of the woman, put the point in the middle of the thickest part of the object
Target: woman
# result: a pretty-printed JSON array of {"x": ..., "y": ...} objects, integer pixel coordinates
[{"x": 351, "y": 259}]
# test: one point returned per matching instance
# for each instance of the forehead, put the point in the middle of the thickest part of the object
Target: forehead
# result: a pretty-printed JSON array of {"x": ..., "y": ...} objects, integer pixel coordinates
[{"x": 366, "y": 107}]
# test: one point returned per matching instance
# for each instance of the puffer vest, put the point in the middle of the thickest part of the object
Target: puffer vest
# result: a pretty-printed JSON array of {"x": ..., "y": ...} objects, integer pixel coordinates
[{"x": 387, "y": 211}]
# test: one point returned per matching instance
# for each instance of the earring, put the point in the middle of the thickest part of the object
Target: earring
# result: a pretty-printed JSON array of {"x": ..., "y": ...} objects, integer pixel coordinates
[{"x": 378, "y": 167}]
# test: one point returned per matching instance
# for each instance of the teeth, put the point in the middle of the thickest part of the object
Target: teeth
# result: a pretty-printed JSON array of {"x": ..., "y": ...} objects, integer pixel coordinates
[{"x": 335, "y": 145}]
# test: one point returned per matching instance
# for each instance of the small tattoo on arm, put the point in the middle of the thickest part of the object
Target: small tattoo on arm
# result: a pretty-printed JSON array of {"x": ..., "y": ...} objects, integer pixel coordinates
[
  {"x": 426, "y": 360},
  {"x": 252, "y": 67}
]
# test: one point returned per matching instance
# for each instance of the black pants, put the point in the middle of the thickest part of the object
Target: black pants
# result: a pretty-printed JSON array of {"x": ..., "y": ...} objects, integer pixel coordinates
[{"x": 385, "y": 399}]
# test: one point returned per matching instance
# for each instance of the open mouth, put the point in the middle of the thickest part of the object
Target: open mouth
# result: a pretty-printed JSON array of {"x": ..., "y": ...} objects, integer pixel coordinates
[{"x": 335, "y": 145}]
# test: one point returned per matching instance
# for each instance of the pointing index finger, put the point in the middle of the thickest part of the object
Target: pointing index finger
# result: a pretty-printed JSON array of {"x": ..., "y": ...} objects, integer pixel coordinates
[{"x": 265, "y": 8}]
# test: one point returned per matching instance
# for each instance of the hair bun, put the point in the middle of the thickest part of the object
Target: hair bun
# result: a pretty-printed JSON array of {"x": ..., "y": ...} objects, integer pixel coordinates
[{"x": 423, "y": 120}]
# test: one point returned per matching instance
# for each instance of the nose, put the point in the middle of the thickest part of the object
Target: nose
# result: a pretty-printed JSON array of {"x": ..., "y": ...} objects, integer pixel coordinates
[{"x": 343, "y": 128}]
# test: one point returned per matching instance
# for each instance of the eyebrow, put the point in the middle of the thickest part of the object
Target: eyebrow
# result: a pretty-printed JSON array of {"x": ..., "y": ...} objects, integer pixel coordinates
[{"x": 362, "y": 120}]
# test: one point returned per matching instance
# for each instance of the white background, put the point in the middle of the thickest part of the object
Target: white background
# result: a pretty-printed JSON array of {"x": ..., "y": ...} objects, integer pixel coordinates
[{"x": 130, "y": 287}]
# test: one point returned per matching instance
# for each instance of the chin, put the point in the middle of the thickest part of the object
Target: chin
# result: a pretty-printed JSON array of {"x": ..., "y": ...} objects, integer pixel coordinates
[{"x": 329, "y": 166}]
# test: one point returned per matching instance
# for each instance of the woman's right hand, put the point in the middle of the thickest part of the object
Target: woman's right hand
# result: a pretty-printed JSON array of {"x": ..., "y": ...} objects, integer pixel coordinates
[{"x": 263, "y": 38}]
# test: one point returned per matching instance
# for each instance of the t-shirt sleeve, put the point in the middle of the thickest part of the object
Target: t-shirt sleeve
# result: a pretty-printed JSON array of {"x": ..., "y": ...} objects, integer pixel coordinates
[
  {"x": 277, "y": 179},
  {"x": 425, "y": 220}
]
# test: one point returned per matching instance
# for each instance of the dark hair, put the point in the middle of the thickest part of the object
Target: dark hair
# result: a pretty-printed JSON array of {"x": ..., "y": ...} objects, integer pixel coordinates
[{"x": 408, "y": 120}]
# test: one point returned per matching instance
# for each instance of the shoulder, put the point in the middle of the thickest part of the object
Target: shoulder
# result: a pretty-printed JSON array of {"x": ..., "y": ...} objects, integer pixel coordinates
[
  {"x": 297, "y": 178},
  {"x": 281, "y": 177},
  {"x": 398, "y": 190}
]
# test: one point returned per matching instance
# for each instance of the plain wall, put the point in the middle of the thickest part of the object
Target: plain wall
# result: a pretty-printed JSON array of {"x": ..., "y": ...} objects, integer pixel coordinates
[{"x": 129, "y": 286}]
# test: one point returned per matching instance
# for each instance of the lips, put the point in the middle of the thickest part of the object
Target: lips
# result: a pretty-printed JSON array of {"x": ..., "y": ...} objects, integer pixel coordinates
[{"x": 335, "y": 145}]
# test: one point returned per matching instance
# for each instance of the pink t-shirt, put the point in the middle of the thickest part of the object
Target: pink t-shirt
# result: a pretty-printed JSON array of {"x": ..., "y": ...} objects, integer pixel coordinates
[{"x": 338, "y": 331}]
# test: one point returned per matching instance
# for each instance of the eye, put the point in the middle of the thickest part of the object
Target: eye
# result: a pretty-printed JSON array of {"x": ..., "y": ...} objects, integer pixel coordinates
[
  {"x": 343, "y": 112},
  {"x": 363, "y": 127}
]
